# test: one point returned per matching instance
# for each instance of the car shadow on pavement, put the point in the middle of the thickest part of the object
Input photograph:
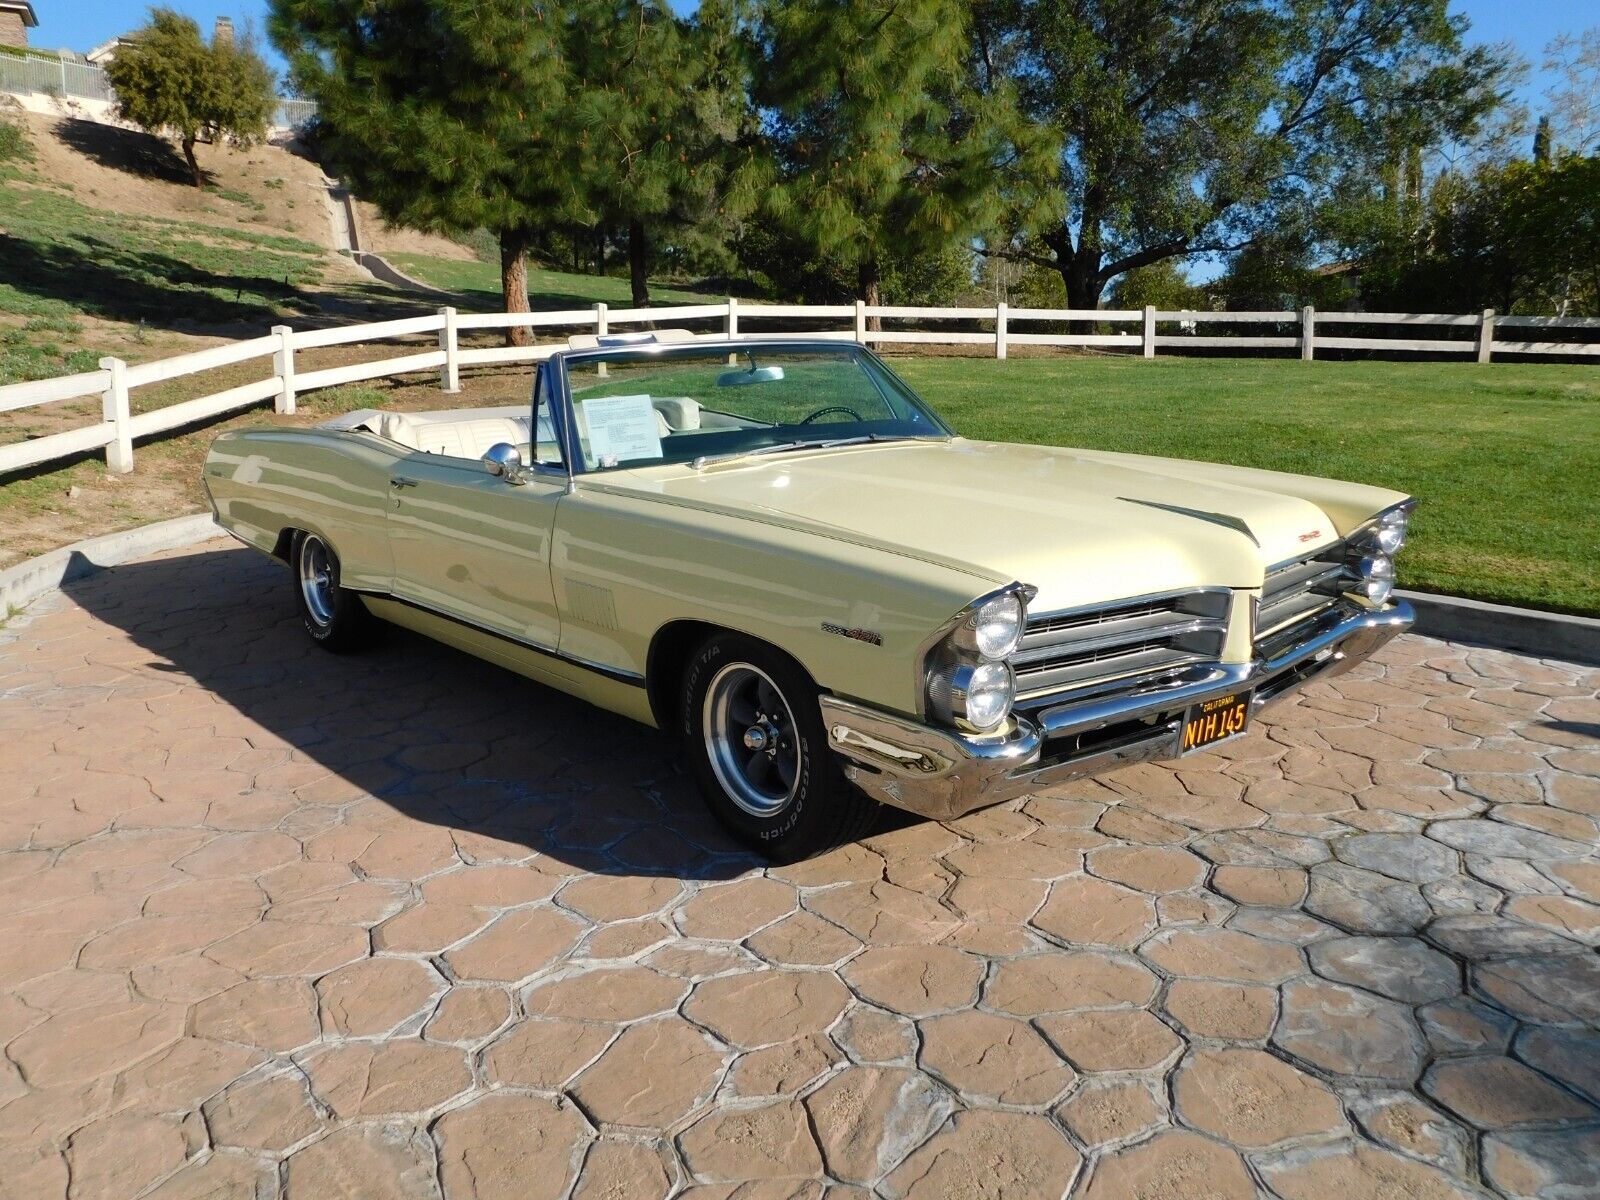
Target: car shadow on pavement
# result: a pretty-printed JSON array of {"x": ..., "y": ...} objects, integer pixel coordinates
[{"x": 437, "y": 734}]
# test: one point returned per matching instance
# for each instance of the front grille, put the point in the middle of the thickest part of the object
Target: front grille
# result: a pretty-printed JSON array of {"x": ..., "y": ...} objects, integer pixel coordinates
[
  {"x": 1297, "y": 596},
  {"x": 1149, "y": 637}
]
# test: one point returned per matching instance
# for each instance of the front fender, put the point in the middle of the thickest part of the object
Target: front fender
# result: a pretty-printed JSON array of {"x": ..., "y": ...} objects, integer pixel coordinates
[{"x": 856, "y": 618}]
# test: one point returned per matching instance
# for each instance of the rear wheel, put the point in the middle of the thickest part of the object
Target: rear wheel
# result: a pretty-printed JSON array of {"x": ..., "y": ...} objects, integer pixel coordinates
[
  {"x": 335, "y": 617},
  {"x": 760, "y": 754}
]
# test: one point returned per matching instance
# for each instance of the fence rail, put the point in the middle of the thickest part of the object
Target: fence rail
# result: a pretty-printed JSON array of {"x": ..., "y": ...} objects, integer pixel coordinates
[{"x": 989, "y": 327}]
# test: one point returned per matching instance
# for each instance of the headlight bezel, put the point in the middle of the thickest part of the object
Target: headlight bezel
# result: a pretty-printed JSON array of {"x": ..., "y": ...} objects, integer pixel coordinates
[
  {"x": 1375, "y": 578},
  {"x": 960, "y": 660},
  {"x": 1371, "y": 552},
  {"x": 1387, "y": 532},
  {"x": 1002, "y": 608}
]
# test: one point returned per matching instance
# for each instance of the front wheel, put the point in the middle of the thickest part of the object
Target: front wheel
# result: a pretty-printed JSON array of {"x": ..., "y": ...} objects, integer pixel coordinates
[
  {"x": 758, "y": 749},
  {"x": 334, "y": 616}
]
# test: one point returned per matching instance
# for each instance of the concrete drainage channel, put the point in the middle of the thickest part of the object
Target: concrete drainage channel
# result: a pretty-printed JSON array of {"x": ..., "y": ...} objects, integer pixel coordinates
[
  {"x": 1522, "y": 630},
  {"x": 345, "y": 225}
]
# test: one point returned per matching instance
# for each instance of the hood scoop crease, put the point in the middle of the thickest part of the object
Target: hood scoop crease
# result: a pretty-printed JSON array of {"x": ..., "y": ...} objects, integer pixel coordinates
[{"x": 1223, "y": 519}]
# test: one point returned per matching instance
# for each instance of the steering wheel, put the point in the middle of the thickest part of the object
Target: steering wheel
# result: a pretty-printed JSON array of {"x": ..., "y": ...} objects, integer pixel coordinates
[{"x": 832, "y": 408}]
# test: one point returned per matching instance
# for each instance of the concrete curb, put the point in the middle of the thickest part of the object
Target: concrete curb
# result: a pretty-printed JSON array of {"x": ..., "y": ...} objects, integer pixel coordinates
[
  {"x": 24, "y": 583},
  {"x": 1525, "y": 630}
]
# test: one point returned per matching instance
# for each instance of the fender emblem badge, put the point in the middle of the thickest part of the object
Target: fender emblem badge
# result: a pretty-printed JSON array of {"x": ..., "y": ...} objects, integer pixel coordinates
[{"x": 860, "y": 635}]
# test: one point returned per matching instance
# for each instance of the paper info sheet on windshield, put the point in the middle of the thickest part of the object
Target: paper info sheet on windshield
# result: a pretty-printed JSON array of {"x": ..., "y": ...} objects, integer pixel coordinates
[{"x": 622, "y": 428}]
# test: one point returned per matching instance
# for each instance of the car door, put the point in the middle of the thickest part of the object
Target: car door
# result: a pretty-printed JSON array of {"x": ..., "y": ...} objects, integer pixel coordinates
[{"x": 474, "y": 547}]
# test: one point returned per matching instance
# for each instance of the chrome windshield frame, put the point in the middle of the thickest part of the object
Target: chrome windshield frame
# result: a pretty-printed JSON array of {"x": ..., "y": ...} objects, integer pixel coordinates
[{"x": 560, "y": 361}]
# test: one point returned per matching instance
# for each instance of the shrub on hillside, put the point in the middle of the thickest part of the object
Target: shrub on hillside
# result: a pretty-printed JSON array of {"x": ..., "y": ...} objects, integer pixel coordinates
[
  {"x": 14, "y": 143},
  {"x": 167, "y": 78}
]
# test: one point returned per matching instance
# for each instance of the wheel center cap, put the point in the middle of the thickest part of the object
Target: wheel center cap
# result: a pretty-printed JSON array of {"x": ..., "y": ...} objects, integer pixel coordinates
[{"x": 756, "y": 738}]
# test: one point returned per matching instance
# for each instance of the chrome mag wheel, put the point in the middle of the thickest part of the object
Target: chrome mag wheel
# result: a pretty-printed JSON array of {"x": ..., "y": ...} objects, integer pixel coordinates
[
  {"x": 750, "y": 739},
  {"x": 316, "y": 579}
]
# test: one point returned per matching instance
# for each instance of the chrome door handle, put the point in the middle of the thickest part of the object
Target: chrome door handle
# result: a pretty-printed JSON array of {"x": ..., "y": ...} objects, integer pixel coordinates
[{"x": 400, "y": 482}]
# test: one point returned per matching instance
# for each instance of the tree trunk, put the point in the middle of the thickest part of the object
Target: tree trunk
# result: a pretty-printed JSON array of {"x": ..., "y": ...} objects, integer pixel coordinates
[
  {"x": 194, "y": 164},
  {"x": 638, "y": 256},
  {"x": 514, "y": 281},
  {"x": 1080, "y": 272},
  {"x": 599, "y": 249},
  {"x": 869, "y": 281}
]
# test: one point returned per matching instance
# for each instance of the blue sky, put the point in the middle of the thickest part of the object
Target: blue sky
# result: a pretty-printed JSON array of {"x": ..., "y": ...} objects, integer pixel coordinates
[{"x": 1526, "y": 24}]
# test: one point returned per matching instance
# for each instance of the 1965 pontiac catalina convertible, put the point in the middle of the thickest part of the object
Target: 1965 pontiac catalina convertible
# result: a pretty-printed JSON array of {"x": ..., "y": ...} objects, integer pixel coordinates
[{"x": 774, "y": 550}]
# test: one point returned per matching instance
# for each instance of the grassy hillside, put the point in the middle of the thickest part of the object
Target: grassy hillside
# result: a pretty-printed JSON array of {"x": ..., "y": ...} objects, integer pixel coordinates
[
  {"x": 106, "y": 248},
  {"x": 479, "y": 285},
  {"x": 109, "y": 250}
]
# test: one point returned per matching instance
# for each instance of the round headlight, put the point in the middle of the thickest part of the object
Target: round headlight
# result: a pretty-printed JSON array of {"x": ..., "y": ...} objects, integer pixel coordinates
[
  {"x": 997, "y": 626},
  {"x": 989, "y": 690},
  {"x": 1376, "y": 573},
  {"x": 1390, "y": 533}
]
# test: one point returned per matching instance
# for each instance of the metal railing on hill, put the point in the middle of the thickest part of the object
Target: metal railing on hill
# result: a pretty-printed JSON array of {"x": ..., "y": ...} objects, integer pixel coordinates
[
  {"x": 1479, "y": 338},
  {"x": 27, "y": 72}
]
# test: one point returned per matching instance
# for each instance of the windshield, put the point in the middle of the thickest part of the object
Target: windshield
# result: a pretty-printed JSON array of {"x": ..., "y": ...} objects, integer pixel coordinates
[{"x": 638, "y": 408}]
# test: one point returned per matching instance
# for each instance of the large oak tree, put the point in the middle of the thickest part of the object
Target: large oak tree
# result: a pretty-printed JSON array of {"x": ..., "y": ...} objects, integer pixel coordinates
[{"x": 1192, "y": 127}]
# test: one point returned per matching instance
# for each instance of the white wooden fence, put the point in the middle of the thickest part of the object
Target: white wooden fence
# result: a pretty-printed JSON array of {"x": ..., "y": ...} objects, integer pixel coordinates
[{"x": 119, "y": 426}]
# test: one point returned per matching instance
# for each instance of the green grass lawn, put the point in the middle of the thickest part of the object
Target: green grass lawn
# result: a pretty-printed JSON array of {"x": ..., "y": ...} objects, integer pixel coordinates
[
  {"x": 479, "y": 284},
  {"x": 1505, "y": 458}
]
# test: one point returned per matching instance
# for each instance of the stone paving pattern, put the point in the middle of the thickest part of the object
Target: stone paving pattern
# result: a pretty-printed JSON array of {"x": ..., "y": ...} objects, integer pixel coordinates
[{"x": 277, "y": 923}]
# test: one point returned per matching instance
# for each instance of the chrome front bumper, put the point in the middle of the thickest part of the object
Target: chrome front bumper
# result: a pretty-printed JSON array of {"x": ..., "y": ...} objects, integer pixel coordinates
[{"x": 942, "y": 773}]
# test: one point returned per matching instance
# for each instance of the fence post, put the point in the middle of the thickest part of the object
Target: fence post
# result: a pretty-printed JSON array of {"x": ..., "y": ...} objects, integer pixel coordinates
[
  {"x": 1149, "y": 330},
  {"x": 1000, "y": 329},
  {"x": 733, "y": 316},
  {"x": 1308, "y": 333},
  {"x": 114, "y": 408},
  {"x": 283, "y": 367},
  {"x": 1486, "y": 335},
  {"x": 601, "y": 328},
  {"x": 450, "y": 373},
  {"x": 861, "y": 321}
]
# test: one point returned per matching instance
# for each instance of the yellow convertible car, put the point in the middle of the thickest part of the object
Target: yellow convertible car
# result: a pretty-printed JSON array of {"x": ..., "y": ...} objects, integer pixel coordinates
[{"x": 776, "y": 552}]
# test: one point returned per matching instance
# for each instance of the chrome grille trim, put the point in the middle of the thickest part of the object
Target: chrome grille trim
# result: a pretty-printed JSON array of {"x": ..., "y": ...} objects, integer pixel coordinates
[
  {"x": 1136, "y": 639},
  {"x": 1296, "y": 595}
]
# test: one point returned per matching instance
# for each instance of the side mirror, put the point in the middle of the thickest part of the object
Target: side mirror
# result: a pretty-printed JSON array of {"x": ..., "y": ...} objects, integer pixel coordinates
[{"x": 503, "y": 460}]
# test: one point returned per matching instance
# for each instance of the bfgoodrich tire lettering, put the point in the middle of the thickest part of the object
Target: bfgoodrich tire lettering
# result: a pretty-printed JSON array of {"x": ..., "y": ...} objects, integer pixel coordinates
[{"x": 755, "y": 741}]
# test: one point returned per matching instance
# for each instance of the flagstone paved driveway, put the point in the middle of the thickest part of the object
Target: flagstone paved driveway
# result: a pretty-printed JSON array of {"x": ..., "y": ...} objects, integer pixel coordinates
[{"x": 277, "y": 923}]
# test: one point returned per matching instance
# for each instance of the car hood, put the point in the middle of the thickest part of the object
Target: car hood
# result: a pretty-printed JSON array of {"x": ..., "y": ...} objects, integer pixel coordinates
[{"x": 1082, "y": 526}]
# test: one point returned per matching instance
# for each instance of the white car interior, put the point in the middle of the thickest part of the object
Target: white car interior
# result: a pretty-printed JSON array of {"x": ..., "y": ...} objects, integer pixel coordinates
[{"x": 469, "y": 432}]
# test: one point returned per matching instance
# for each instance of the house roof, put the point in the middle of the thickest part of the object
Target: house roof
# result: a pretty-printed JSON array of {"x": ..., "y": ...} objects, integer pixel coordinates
[
  {"x": 22, "y": 7},
  {"x": 107, "y": 48}
]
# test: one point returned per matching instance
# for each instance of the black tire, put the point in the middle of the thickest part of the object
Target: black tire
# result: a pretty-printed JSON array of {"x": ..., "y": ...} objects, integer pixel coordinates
[
  {"x": 334, "y": 617},
  {"x": 812, "y": 806}
]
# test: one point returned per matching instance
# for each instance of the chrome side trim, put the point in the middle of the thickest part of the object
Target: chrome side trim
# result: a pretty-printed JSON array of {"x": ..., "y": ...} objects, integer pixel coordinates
[{"x": 629, "y": 677}]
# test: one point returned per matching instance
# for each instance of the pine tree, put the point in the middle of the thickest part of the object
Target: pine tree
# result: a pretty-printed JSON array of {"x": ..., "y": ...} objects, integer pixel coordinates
[
  {"x": 1541, "y": 141},
  {"x": 449, "y": 115},
  {"x": 884, "y": 145},
  {"x": 168, "y": 79},
  {"x": 663, "y": 122}
]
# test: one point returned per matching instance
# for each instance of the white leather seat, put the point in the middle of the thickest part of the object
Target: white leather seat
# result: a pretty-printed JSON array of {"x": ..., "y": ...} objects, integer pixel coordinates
[{"x": 469, "y": 439}]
